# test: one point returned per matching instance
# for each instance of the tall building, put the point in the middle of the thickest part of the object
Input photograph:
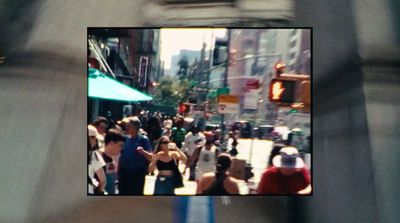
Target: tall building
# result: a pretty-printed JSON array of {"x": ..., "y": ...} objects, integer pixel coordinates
[
  {"x": 191, "y": 55},
  {"x": 299, "y": 51}
]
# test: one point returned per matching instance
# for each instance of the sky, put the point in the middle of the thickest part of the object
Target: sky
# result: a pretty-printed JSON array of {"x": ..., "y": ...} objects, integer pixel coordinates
[{"x": 175, "y": 39}]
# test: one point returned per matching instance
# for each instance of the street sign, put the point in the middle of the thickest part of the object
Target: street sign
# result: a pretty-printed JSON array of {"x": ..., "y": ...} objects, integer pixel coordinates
[
  {"x": 228, "y": 104},
  {"x": 221, "y": 91},
  {"x": 252, "y": 84},
  {"x": 251, "y": 99}
]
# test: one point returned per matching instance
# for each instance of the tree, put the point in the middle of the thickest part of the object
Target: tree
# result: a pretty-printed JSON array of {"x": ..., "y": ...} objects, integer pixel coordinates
[{"x": 171, "y": 91}]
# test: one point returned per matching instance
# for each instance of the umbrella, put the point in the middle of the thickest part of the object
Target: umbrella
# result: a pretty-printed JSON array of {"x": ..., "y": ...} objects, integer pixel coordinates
[{"x": 101, "y": 86}]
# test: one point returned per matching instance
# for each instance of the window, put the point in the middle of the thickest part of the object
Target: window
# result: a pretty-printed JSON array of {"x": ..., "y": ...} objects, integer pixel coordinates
[{"x": 293, "y": 44}]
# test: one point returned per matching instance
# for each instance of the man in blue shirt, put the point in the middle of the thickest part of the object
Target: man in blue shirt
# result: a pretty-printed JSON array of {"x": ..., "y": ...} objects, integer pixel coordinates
[{"x": 133, "y": 162}]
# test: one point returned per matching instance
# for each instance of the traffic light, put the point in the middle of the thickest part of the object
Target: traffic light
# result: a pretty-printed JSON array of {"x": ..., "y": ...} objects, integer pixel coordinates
[
  {"x": 283, "y": 91},
  {"x": 184, "y": 108}
]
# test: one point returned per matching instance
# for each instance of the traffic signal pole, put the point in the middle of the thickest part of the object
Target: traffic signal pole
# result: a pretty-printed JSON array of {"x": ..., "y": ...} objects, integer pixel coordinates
[{"x": 223, "y": 145}]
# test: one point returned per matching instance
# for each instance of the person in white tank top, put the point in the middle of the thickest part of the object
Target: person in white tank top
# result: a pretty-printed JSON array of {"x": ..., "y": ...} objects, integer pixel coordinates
[{"x": 206, "y": 159}]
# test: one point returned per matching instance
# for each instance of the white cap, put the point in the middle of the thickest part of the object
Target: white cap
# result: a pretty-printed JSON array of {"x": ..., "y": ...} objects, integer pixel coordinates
[
  {"x": 92, "y": 130},
  {"x": 288, "y": 158}
]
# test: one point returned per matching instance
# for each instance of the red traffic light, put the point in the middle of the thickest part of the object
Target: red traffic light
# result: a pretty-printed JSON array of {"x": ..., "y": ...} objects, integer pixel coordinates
[
  {"x": 184, "y": 108},
  {"x": 282, "y": 91}
]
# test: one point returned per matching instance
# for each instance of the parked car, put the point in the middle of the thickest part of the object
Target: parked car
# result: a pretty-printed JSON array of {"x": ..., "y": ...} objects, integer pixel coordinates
[{"x": 264, "y": 131}]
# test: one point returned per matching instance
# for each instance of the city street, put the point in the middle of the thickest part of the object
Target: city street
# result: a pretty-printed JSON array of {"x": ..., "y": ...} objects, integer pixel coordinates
[
  {"x": 176, "y": 82},
  {"x": 259, "y": 160}
]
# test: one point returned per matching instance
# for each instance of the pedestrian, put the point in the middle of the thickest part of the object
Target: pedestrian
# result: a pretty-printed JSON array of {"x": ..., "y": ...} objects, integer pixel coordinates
[
  {"x": 114, "y": 141},
  {"x": 178, "y": 132},
  {"x": 133, "y": 161},
  {"x": 165, "y": 159},
  {"x": 205, "y": 156},
  {"x": 123, "y": 124},
  {"x": 96, "y": 175},
  {"x": 288, "y": 175},
  {"x": 167, "y": 125},
  {"x": 274, "y": 152},
  {"x": 154, "y": 130},
  {"x": 193, "y": 139},
  {"x": 110, "y": 119},
  {"x": 219, "y": 183},
  {"x": 234, "y": 145},
  {"x": 101, "y": 124}
]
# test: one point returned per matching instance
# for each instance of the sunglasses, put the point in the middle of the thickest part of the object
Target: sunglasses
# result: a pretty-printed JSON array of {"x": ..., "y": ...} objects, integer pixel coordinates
[{"x": 164, "y": 142}]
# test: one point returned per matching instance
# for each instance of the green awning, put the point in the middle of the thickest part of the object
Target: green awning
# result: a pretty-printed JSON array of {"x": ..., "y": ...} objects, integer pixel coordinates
[{"x": 101, "y": 86}]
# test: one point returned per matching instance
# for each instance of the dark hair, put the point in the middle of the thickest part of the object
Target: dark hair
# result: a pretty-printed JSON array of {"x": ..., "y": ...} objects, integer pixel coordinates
[
  {"x": 223, "y": 164},
  {"x": 99, "y": 120},
  {"x": 135, "y": 123},
  {"x": 275, "y": 151},
  {"x": 153, "y": 128},
  {"x": 113, "y": 136}
]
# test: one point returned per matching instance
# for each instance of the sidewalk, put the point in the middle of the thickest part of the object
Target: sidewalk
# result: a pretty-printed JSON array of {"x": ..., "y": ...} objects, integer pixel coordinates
[{"x": 189, "y": 186}]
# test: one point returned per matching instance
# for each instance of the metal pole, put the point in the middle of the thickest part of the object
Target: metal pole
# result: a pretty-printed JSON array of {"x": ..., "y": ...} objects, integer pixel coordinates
[
  {"x": 222, "y": 140},
  {"x": 252, "y": 135}
]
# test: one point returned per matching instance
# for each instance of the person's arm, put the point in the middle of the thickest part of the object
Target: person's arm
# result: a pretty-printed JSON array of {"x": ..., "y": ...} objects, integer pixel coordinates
[
  {"x": 306, "y": 190},
  {"x": 180, "y": 155},
  {"x": 194, "y": 156},
  {"x": 98, "y": 164},
  {"x": 234, "y": 187},
  {"x": 101, "y": 178},
  {"x": 307, "y": 182},
  {"x": 145, "y": 148},
  {"x": 146, "y": 154},
  {"x": 152, "y": 165},
  {"x": 186, "y": 143}
]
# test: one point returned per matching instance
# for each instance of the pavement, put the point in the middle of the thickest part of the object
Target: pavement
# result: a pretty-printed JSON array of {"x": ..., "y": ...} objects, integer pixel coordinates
[{"x": 259, "y": 159}]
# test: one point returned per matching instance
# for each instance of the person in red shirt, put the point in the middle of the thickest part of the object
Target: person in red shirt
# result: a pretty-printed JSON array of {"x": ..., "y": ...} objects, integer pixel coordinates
[{"x": 288, "y": 175}]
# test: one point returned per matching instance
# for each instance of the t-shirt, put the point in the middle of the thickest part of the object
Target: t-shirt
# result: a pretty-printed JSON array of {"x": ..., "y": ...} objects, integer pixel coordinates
[
  {"x": 178, "y": 135},
  {"x": 96, "y": 162},
  {"x": 190, "y": 142},
  {"x": 274, "y": 182},
  {"x": 130, "y": 158}
]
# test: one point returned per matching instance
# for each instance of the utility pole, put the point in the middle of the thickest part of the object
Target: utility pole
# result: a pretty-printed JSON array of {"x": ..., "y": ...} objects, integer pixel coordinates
[{"x": 223, "y": 145}]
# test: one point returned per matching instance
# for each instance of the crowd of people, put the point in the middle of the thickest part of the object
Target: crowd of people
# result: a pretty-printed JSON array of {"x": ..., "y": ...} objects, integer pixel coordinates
[{"x": 121, "y": 154}]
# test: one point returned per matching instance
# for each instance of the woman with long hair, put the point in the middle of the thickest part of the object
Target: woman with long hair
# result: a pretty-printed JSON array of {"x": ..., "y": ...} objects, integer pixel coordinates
[
  {"x": 219, "y": 183},
  {"x": 165, "y": 159}
]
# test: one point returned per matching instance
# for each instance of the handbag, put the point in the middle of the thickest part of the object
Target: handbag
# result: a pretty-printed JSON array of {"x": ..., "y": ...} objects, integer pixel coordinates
[{"x": 178, "y": 180}]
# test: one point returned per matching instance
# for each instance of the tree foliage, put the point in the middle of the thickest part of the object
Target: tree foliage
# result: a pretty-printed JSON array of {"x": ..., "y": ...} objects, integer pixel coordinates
[{"x": 171, "y": 91}]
